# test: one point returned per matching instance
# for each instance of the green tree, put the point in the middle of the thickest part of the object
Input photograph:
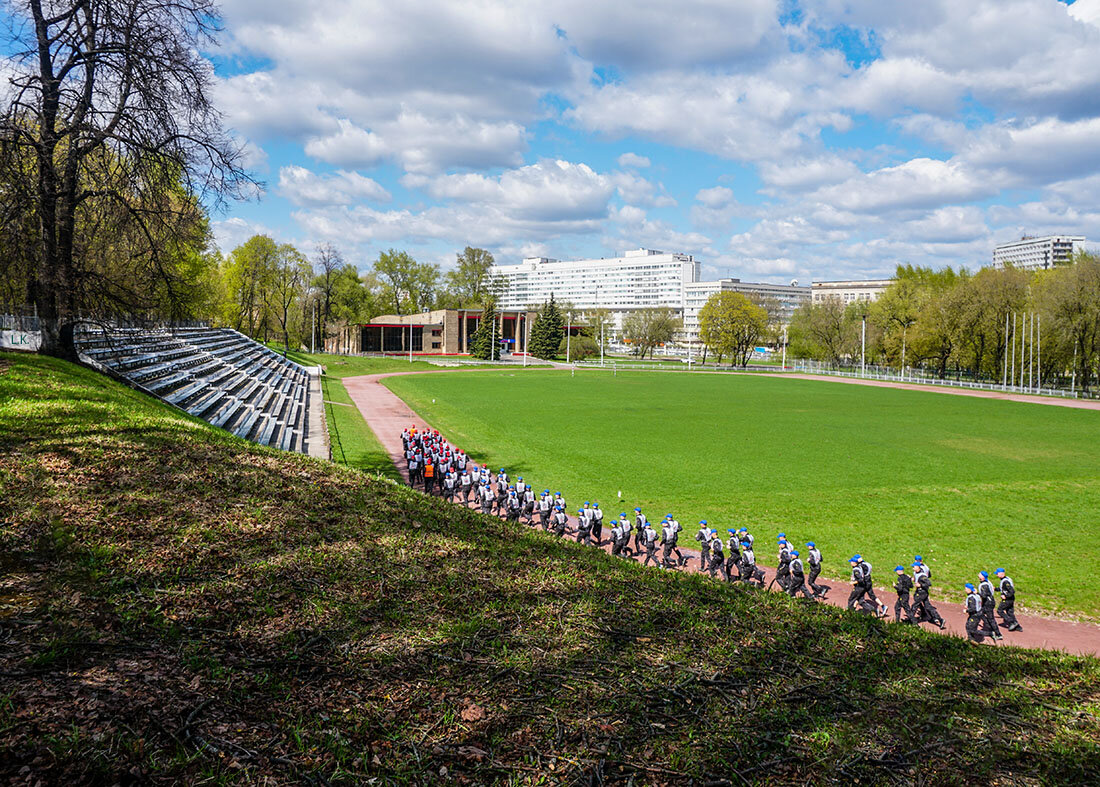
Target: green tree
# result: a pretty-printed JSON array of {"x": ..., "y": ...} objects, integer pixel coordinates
[
  {"x": 577, "y": 348},
  {"x": 645, "y": 329},
  {"x": 730, "y": 325},
  {"x": 409, "y": 285},
  {"x": 485, "y": 344},
  {"x": 110, "y": 106},
  {"x": 822, "y": 331},
  {"x": 472, "y": 280},
  {"x": 546, "y": 331},
  {"x": 249, "y": 273},
  {"x": 288, "y": 287}
]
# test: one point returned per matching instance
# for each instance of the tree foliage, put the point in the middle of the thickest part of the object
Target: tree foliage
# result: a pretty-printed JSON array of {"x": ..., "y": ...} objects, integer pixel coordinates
[
  {"x": 645, "y": 329},
  {"x": 485, "y": 343},
  {"x": 546, "y": 331},
  {"x": 471, "y": 281},
  {"x": 730, "y": 325},
  {"x": 109, "y": 144}
]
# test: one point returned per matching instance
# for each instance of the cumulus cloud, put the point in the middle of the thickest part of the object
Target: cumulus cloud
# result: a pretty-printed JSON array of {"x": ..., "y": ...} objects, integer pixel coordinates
[
  {"x": 304, "y": 187},
  {"x": 633, "y": 161}
]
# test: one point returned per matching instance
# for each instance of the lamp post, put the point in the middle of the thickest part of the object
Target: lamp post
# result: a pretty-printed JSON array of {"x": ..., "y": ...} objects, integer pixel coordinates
[
  {"x": 784, "y": 367},
  {"x": 568, "y": 338},
  {"x": 863, "y": 349}
]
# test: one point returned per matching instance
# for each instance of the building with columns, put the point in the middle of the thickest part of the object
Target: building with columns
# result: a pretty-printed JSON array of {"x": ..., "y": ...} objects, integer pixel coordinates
[{"x": 440, "y": 332}]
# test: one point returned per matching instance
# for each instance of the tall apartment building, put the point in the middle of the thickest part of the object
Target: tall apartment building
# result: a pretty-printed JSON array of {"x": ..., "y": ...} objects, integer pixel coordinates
[
  {"x": 785, "y": 297},
  {"x": 1032, "y": 254},
  {"x": 639, "y": 279},
  {"x": 848, "y": 291}
]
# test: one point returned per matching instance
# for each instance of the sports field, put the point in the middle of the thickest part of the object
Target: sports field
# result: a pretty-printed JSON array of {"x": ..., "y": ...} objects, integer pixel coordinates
[{"x": 968, "y": 483}]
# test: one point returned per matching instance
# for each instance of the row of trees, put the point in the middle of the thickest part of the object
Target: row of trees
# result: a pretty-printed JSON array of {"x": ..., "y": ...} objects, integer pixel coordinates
[{"x": 953, "y": 323}]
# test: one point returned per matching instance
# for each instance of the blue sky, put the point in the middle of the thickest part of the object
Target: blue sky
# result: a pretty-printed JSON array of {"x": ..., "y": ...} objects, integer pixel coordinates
[{"x": 805, "y": 139}]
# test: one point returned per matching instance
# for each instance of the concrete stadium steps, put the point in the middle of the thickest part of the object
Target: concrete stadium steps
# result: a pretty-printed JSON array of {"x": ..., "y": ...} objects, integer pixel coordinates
[{"x": 216, "y": 374}]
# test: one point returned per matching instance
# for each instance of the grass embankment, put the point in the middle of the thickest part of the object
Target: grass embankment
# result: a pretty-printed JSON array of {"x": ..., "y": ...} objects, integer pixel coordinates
[
  {"x": 178, "y": 605},
  {"x": 968, "y": 483}
]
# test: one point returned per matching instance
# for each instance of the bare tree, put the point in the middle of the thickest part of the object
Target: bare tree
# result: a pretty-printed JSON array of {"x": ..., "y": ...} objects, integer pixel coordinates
[{"x": 109, "y": 115}]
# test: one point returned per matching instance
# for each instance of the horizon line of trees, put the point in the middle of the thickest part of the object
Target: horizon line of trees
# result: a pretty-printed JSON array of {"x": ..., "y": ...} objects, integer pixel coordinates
[{"x": 989, "y": 325}]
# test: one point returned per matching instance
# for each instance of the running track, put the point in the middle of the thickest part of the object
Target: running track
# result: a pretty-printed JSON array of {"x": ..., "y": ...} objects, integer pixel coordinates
[{"x": 388, "y": 415}]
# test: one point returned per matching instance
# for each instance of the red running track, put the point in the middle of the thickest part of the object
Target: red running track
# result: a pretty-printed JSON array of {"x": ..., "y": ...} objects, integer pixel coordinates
[{"x": 388, "y": 415}]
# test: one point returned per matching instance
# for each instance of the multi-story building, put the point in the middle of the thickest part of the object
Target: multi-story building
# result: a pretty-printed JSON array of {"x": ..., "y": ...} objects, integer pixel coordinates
[
  {"x": 1031, "y": 254},
  {"x": 848, "y": 291},
  {"x": 785, "y": 298},
  {"x": 639, "y": 279}
]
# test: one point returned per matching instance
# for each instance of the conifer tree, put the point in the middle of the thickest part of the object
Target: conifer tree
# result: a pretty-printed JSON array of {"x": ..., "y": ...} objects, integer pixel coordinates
[
  {"x": 546, "y": 331},
  {"x": 485, "y": 345}
]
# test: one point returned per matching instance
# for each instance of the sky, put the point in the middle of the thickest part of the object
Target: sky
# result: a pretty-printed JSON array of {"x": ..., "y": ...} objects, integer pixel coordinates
[{"x": 772, "y": 139}]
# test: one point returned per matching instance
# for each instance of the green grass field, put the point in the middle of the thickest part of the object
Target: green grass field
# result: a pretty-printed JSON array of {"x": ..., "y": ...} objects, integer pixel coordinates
[
  {"x": 968, "y": 483},
  {"x": 180, "y": 606}
]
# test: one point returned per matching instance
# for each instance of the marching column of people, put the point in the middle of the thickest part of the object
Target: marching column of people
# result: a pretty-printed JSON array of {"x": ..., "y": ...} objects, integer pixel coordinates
[{"x": 442, "y": 469}]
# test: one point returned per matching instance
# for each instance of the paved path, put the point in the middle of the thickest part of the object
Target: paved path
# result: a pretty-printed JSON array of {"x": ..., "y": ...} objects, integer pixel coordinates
[{"x": 388, "y": 415}]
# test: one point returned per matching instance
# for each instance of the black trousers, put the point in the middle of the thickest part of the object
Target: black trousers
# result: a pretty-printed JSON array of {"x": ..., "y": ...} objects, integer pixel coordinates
[
  {"x": 857, "y": 601},
  {"x": 814, "y": 572},
  {"x": 651, "y": 554},
  {"x": 972, "y": 621},
  {"x": 782, "y": 576},
  {"x": 717, "y": 563},
  {"x": 902, "y": 604},
  {"x": 796, "y": 583},
  {"x": 731, "y": 563},
  {"x": 1007, "y": 610},
  {"x": 988, "y": 620}
]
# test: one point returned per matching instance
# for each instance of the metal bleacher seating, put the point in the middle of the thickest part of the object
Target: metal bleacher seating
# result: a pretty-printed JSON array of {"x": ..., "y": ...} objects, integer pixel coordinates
[{"x": 216, "y": 374}]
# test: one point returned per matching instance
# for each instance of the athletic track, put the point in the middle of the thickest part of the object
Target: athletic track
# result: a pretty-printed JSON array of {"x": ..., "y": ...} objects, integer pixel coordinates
[{"x": 388, "y": 415}]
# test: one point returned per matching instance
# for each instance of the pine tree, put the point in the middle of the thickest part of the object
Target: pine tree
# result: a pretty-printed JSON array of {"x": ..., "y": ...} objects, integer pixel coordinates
[
  {"x": 546, "y": 331},
  {"x": 484, "y": 345}
]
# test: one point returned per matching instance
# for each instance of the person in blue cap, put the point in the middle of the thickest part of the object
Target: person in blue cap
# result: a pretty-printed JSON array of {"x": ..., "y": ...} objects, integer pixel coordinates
[
  {"x": 639, "y": 530},
  {"x": 920, "y": 567},
  {"x": 670, "y": 532},
  {"x": 486, "y": 496},
  {"x": 813, "y": 556},
  {"x": 1007, "y": 608},
  {"x": 546, "y": 505},
  {"x": 561, "y": 521},
  {"x": 973, "y": 607},
  {"x": 783, "y": 566},
  {"x": 619, "y": 535},
  {"x": 985, "y": 590},
  {"x": 797, "y": 578},
  {"x": 596, "y": 517},
  {"x": 903, "y": 585},
  {"x": 717, "y": 555},
  {"x": 750, "y": 572},
  {"x": 649, "y": 538},
  {"x": 703, "y": 537},
  {"x": 922, "y": 609},
  {"x": 856, "y": 600},
  {"x": 734, "y": 559},
  {"x": 584, "y": 527}
]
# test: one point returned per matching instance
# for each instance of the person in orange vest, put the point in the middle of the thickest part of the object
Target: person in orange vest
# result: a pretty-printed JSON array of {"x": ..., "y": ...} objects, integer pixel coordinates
[{"x": 429, "y": 476}]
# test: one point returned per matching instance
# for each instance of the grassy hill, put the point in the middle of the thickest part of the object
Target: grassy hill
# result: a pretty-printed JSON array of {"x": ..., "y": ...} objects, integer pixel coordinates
[
  {"x": 968, "y": 483},
  {"x": 177, "y": 605}
]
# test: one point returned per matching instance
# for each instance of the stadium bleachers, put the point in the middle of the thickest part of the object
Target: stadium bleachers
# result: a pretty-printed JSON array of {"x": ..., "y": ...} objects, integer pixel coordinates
[{"x": 216, "y": 374}]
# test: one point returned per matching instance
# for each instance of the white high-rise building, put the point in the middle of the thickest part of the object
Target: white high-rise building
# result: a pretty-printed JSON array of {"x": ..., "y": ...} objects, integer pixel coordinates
[
  {"x": 639, "y": 279},
  {"x": 785, "y": 297},
  {"x": 1031, "y": 254}
]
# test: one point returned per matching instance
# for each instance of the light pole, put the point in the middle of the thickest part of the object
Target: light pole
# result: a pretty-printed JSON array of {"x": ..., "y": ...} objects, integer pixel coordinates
[
  {"x": 568, "y": 337},
  {"x": 863, "y": 349},
  {"x": 784, "y": 367}
]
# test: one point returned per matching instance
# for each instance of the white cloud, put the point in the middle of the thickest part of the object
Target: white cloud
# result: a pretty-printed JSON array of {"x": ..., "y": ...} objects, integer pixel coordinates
[
  {"x": 715, "y": 208},
  {"x": 918, "y": 183},
  {"x": 231, "y": 233},
  {"x": 304, "y": 187},
  {"x": 952, "y": 224},
  {"x": 633, "y": 161},
  {"x": 546, "y": 191},
  {"x": 806, "y": 173}
]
